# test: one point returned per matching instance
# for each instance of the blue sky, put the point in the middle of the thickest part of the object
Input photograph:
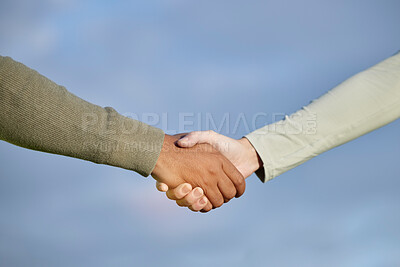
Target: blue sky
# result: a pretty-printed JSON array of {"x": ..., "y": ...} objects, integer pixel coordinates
[{"x": 216, "y": 57}]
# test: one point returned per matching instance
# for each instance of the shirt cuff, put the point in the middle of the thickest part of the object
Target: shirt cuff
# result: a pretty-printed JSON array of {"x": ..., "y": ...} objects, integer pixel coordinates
[{"x": 264, "y": 172}]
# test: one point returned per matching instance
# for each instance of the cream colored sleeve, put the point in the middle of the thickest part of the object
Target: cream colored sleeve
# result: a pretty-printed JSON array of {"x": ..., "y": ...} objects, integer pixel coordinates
[{"x": 363, "y": 103}]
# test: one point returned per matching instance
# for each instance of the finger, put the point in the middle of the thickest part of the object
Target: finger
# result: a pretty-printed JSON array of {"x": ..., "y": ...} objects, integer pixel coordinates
[
  {"x": 235, "y": 176},
  {"x": 227, "y": 188},
  {"x": 215, "y": 197},
  {"x": 197, "y": 137},
  {"x": 179, "y": 192},
  {"x": 207, "y": 208},
  {"x": 199, "y": 204},
  {"x": 161, "y": 187},
  {"x": 191, "y": 198}
]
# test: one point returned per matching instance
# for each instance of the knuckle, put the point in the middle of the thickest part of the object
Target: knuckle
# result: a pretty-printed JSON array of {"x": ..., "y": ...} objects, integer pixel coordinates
[
  {"x": 240, "y": 181},
  {"x": 212, "y": 172},
  {"x": 194, "y": 133},
  {"x": 209, "y": 206},
  {"x": 218, "y": 203},
  {"x": 193, "y": 209},
  {"x": 210, "y": 134},
  {"x": 181, "y": 203},
  {"x": 206, "y": 209},
  {"x": 208, "y": 183},
  {"x": 231, "y": 193}
]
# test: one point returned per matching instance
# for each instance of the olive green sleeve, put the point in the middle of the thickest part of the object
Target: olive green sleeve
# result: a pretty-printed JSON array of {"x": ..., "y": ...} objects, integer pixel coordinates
[{"x": 38, "y": 114}]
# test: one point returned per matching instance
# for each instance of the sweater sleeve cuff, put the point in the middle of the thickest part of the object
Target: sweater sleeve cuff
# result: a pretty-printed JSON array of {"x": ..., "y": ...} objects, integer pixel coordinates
[
  {"x": 147, "y": 158},
  {"x": 141, "y": 150}
]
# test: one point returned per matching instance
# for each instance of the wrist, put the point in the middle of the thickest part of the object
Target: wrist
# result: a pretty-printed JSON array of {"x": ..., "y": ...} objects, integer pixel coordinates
[
  {"x": 161, "y": 158},
  {"x": 253, "y": 160}
]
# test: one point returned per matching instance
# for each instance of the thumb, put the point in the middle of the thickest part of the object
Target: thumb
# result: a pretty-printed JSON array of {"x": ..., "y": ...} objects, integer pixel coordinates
[{"x": 199, "y": 137}]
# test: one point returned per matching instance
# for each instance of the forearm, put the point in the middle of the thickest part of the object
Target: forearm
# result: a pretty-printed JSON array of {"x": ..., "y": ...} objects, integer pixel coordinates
[
  {"x": 359, "y": 105},
  {"x": 38, "y": 114}
]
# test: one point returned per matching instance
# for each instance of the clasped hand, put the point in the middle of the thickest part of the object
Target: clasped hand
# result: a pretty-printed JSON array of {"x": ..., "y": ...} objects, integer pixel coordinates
[{"x": 203, "y": 170}]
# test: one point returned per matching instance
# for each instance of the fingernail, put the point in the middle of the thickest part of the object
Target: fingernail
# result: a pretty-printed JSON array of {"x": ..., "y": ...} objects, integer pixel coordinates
[
  {"x": 198, "y": 192},
  {"x": 183, "y": 140},
  {"x": 203, "y": 201},
  {"x": 186, "y": 189},
  {"x": 164, "y": 187}
]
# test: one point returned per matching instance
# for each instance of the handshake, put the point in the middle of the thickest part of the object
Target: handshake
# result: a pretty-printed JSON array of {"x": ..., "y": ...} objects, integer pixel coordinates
[
  {"x": 199, "y": 170},
  {"x": 203, "y": 170}
]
